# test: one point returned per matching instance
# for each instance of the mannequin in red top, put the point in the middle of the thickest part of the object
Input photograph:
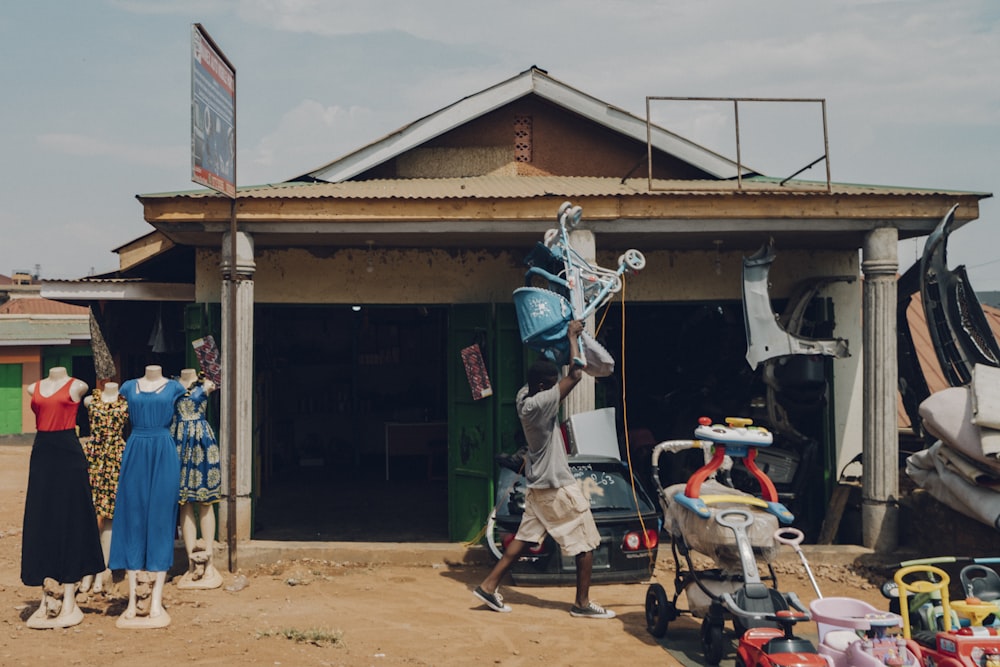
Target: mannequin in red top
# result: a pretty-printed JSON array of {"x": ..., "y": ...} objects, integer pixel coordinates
[{"x": 60, "y": 541}]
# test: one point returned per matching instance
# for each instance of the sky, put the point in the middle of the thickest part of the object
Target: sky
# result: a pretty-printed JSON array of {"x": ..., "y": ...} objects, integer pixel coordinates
[{"x": 97, "y": 94}]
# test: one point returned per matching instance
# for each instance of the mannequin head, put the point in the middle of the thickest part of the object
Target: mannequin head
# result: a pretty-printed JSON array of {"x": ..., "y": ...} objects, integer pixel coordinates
[{"x": 188, "y": 376}]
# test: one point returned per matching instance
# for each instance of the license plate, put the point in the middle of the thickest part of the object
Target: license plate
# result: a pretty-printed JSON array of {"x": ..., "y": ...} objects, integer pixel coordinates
[{"x": 601, "y": 560}]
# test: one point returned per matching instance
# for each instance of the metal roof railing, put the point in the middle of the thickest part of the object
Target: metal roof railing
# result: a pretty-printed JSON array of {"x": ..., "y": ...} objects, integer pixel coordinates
[{"x": 736, "y": 117}]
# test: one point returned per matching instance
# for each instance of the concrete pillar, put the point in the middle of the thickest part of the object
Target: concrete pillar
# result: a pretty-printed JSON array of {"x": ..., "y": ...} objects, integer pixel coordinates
[
  {"x": 582, "y": 398},
  {"x": 237, "y": 303},
  {"x": 880, "y": 442}
]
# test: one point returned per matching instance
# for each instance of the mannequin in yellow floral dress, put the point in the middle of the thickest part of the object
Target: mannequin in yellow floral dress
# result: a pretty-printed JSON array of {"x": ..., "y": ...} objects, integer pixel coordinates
[
  {"x": 201, "y": 480},
  {"x": 108, "y": 412}
]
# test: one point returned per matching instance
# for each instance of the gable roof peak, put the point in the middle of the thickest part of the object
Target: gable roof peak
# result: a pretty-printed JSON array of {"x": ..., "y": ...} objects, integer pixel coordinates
[{"x": 532, "y": 81}]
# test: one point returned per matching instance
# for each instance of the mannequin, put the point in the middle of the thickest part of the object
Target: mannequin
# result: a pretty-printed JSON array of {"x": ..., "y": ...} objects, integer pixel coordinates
[
  {"x": 60, "y": 543},
  {"x": 200, "y": 480},
  {"x": 108, "y": 412},
  {"x": 146, "y": 504}
]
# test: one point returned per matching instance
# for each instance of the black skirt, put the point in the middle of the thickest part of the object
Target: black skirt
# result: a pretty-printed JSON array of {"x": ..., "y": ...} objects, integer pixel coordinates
[{"x": 60, "y": 538}]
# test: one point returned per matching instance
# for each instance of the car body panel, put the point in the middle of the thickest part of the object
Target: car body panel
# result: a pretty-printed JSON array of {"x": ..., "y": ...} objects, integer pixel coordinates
[
  {"x": 766, "y": 338},
  {"x": 607, "y": 483},
  {"x": 958, "y": 328}
]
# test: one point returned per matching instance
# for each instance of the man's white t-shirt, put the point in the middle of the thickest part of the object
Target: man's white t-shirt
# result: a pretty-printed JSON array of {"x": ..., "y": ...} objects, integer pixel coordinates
[{"x": 546, "y": 466}]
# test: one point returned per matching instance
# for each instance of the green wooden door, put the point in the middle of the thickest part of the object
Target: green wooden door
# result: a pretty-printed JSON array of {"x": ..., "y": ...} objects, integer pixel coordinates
[
  {"x": 470, "y": 425},
  {"x": 10, "y": 399},
  {"x": 479, "y": 429}
]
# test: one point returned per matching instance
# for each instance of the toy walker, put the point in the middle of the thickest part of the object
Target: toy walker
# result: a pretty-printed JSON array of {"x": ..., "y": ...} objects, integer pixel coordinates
[
  {"x": 738, "y": 439},
  {"x": 739, "y": 530}
]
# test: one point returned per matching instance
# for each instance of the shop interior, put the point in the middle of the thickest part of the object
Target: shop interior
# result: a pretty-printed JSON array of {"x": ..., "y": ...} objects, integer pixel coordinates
[
  {"x": 685, "y": 361},
  {"x": 351, "y": 407}
]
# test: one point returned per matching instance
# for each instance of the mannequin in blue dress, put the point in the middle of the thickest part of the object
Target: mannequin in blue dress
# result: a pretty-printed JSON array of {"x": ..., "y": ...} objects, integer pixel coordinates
[{"x": 146, "y": 503}]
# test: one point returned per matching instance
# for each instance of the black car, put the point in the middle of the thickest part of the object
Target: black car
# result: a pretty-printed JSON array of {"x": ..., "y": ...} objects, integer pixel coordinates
[{"x": 629, "y": 534}]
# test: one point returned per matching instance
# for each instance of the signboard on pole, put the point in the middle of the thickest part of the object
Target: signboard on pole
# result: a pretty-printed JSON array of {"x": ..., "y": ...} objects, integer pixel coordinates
[{"x": 213, "y": 115}]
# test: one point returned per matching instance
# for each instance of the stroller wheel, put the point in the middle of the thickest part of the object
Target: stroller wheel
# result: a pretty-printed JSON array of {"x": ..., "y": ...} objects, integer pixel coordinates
[
  {"x": 633, "y": 259},
  {"x": 572, "y": 217},
  {"x": 659, "y": 611},
  {"x": 711, "y": 641}
]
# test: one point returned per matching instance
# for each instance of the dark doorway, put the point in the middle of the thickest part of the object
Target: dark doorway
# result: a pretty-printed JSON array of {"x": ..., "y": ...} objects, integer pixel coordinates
[
  {"x": 685, "y": 361},
  {"x": 351, "y": 406}
]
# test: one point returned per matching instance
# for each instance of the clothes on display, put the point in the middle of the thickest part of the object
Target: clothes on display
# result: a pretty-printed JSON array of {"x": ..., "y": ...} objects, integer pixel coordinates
[
  {"x": 146, "y": 504},
  {"x": 60, "y": 537},
  {"x": 208, "y": 358},
  {"x": 197, "y": 447},
  {"x": 104, "y": 450}
]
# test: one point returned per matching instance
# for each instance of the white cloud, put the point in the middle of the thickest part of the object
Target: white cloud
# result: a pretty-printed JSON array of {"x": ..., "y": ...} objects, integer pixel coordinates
[{"x": 306, "y": 137}]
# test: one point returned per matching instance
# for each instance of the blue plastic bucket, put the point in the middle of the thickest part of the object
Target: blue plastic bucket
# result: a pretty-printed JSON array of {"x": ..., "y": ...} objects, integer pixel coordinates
[{"x": 542, "y": 316}]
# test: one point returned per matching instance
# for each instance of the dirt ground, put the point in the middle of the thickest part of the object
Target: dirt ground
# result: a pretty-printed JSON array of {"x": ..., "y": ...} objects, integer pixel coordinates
[{"x": 312, "y": 612}]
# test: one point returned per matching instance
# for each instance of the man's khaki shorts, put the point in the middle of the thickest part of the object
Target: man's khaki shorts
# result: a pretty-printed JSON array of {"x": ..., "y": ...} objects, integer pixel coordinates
[{"x": 563, "y": 513}]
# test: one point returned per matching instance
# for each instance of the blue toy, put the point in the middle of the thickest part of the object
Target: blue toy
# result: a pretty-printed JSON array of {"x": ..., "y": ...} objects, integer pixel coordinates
[{"x": 575, "y": 289}]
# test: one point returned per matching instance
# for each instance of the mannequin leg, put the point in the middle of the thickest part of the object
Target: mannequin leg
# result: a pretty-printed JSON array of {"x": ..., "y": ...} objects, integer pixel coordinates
[
  {"x": 103, "y": 578},
  {"x": 150, "y": 612},
  {"x": 130, "y": 610},
  {"x": 201, "y": 572},
  {"x": 54, "y": 612},
  {"x": 156, "y": 609},
  {"x": 206, "y": 520},
  {"x": 69, "y": 607},
  {"x": 189, "y": 531}
]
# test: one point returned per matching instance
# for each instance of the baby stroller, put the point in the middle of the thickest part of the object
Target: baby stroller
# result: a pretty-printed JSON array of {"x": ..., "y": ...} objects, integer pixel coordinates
[
  {"x": 739, "y": 530},
  {"x": 574, "y": 289}
]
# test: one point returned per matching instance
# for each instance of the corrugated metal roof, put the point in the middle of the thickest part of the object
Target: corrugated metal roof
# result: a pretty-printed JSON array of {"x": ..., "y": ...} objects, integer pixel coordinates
[
  {"x": 40, "y": 306},
  {"x": 503, "y": 187},
  {"x": 43, "y": 329}
]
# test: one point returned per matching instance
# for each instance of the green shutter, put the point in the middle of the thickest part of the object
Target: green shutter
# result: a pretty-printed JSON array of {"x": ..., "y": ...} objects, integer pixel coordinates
[{"x": 11, "y": 399}]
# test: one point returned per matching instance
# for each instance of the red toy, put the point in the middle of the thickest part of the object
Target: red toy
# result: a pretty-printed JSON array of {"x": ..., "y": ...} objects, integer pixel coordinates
[{"x": 774, "y": 647}]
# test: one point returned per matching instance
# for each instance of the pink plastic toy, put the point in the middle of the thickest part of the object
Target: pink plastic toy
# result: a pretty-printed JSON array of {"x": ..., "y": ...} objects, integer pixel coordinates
[{"x": 853, "y": 633}]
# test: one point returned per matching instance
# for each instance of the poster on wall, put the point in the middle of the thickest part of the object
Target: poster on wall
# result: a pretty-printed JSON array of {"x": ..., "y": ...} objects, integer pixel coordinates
[
  {"x": 475, "y": 371},
  {"x": 213, "y": 115}
]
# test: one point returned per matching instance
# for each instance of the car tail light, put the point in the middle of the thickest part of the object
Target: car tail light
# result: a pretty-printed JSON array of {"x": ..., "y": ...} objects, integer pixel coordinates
[{"x": 634, "y": 540}]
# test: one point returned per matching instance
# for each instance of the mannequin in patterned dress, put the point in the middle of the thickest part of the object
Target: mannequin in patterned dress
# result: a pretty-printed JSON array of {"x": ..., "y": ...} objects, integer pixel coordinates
[
  {"x": 59, "y": 538},
  {"x": 108, "y": 412},
  {"x": 200, "y": 482},
  {"x": 146, "y": 504}
]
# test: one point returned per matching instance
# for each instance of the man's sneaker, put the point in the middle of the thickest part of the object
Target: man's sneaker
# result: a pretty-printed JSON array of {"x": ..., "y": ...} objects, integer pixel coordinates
[
  {"x": 592, "y": 610},
  {"x": 493, "y": 600}
]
